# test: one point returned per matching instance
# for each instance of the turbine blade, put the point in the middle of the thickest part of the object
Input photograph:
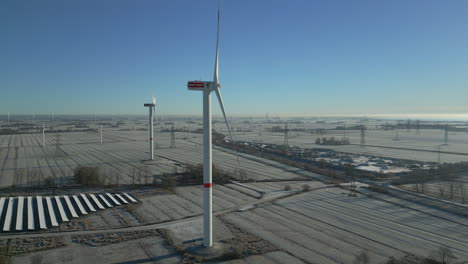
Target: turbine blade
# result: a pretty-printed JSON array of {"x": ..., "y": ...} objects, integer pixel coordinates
[
  {"x": 221, "y": 104},
  {"x": 215, "y": 78}
]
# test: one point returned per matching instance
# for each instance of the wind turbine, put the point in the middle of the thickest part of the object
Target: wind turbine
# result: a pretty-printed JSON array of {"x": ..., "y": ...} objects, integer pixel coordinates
[
  {"x": 152, "y": 109},
  {"x": 43, "y": 135},
  {"x": 207, "y": 87}
]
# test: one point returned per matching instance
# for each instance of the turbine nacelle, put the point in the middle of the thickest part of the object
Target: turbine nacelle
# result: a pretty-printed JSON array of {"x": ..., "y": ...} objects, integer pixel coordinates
[
  {"x": 153, "y": 102},
  {"x": 202, "y": 85}
]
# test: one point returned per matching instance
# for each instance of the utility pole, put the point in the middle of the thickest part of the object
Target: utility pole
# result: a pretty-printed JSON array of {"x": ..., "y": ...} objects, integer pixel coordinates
[
  {"x": 286, "y": 141},
  {"x": 363, "y": 135},
  {"x": 190, "y": 131},
  {"x": 101, "y": 134},
  {"x": 173, "y": 137},
  {"x": 396, "y": 138},
  {"x": 417, "y": 127},
  {"x": 446, "y": 135},
  {"x": 58, "y": 143},
  {"x": 438, "y": 155}
]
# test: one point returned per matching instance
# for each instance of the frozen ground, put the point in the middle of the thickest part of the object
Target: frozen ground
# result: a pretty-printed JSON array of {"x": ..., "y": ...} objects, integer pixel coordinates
[
  {"x": 157, "y": 207},
  {"x": 268, "y": 258},
  {"x": 152, "y": 249},
  {"x": 456, "y": 191},
  {"x": 323, "y": 225},
  {"x": 327, "y": 226},
  {"x": 377, "y": 142},
  {"x": 23, "y": 160}
]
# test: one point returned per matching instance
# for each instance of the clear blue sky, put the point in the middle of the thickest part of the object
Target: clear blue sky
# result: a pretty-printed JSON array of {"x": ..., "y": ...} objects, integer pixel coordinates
[{"x": 285, "y": 57}]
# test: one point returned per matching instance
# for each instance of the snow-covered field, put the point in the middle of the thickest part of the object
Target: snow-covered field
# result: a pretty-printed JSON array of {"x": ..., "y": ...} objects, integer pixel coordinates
[
  {"x": 22, "y": 159},
  {"x": 328, "y": 226}
]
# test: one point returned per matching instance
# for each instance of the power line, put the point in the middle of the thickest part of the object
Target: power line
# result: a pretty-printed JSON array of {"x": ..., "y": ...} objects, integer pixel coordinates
[
  {"x": 286, "y": 140},
  {"x": 363, "y": 136},
  {"x": 446, "y": 135},
  {"x": 396, "y": 138},
  {"x": 172, "y": 137}
]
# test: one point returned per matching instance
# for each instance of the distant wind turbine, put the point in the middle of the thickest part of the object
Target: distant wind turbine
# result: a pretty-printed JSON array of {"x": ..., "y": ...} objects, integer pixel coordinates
[
  {"x": 43, "y": 135},
  {"x": 207, "y": 87},
  {"x": 152, "y": 109}
]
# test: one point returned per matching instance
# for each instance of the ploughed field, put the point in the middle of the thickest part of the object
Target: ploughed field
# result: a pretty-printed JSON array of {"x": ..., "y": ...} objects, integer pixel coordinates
[
  {"x": 321, "y": 225},
  {"x": 328, "y": 226},
  {"x": 24, "y": 162},
  {"x": 376, "y": 142}
]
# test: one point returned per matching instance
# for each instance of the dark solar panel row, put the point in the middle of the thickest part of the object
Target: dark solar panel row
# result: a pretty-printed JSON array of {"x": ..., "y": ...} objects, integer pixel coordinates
[{"x": 28, "y": 213}]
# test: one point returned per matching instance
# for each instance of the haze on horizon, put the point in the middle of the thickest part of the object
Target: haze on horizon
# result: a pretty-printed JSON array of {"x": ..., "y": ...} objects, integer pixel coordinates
[{"x": 386, "y": 58}]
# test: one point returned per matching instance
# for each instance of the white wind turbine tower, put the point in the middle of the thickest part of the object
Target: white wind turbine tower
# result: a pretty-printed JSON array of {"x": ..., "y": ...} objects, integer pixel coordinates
[
  {"x": 43, "y": 135},
  {"x": 152, "y": 109},
  {"x": 207, "y": 87}
]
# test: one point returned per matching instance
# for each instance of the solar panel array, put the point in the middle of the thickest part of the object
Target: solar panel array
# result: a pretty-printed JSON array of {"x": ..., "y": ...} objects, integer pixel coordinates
[{"x": 29, "y": 213}]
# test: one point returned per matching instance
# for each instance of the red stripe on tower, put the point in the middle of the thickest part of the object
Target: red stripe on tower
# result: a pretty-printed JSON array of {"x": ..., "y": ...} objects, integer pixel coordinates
[
  {"x": 208, "y": 185},
  {"x": 151, "y": 138}
]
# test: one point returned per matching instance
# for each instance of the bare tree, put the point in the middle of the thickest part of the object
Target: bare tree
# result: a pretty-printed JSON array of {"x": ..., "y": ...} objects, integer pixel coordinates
[
  {"x": 20, "y": 174},
  {"x": 28, "y": 177},
  {"x": 35, "y": 177},
  {"x": 134, "y": 173},
  {"x": 92, "y": 176},
  {"x": 451, "y": 187},
  {"x": 444, "y": 255},
  {"x": 441, "y": 190},
  {"x": 362, "y": 258},
  {"x": 139, "y": 174},
  {"x": 146, "y": 173},
  {"x": 242, "y": 175},
  {"x": 37, "y": 259},
  {"x": 117, "y": 177},
  {"x": 462, "y": 192}
]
